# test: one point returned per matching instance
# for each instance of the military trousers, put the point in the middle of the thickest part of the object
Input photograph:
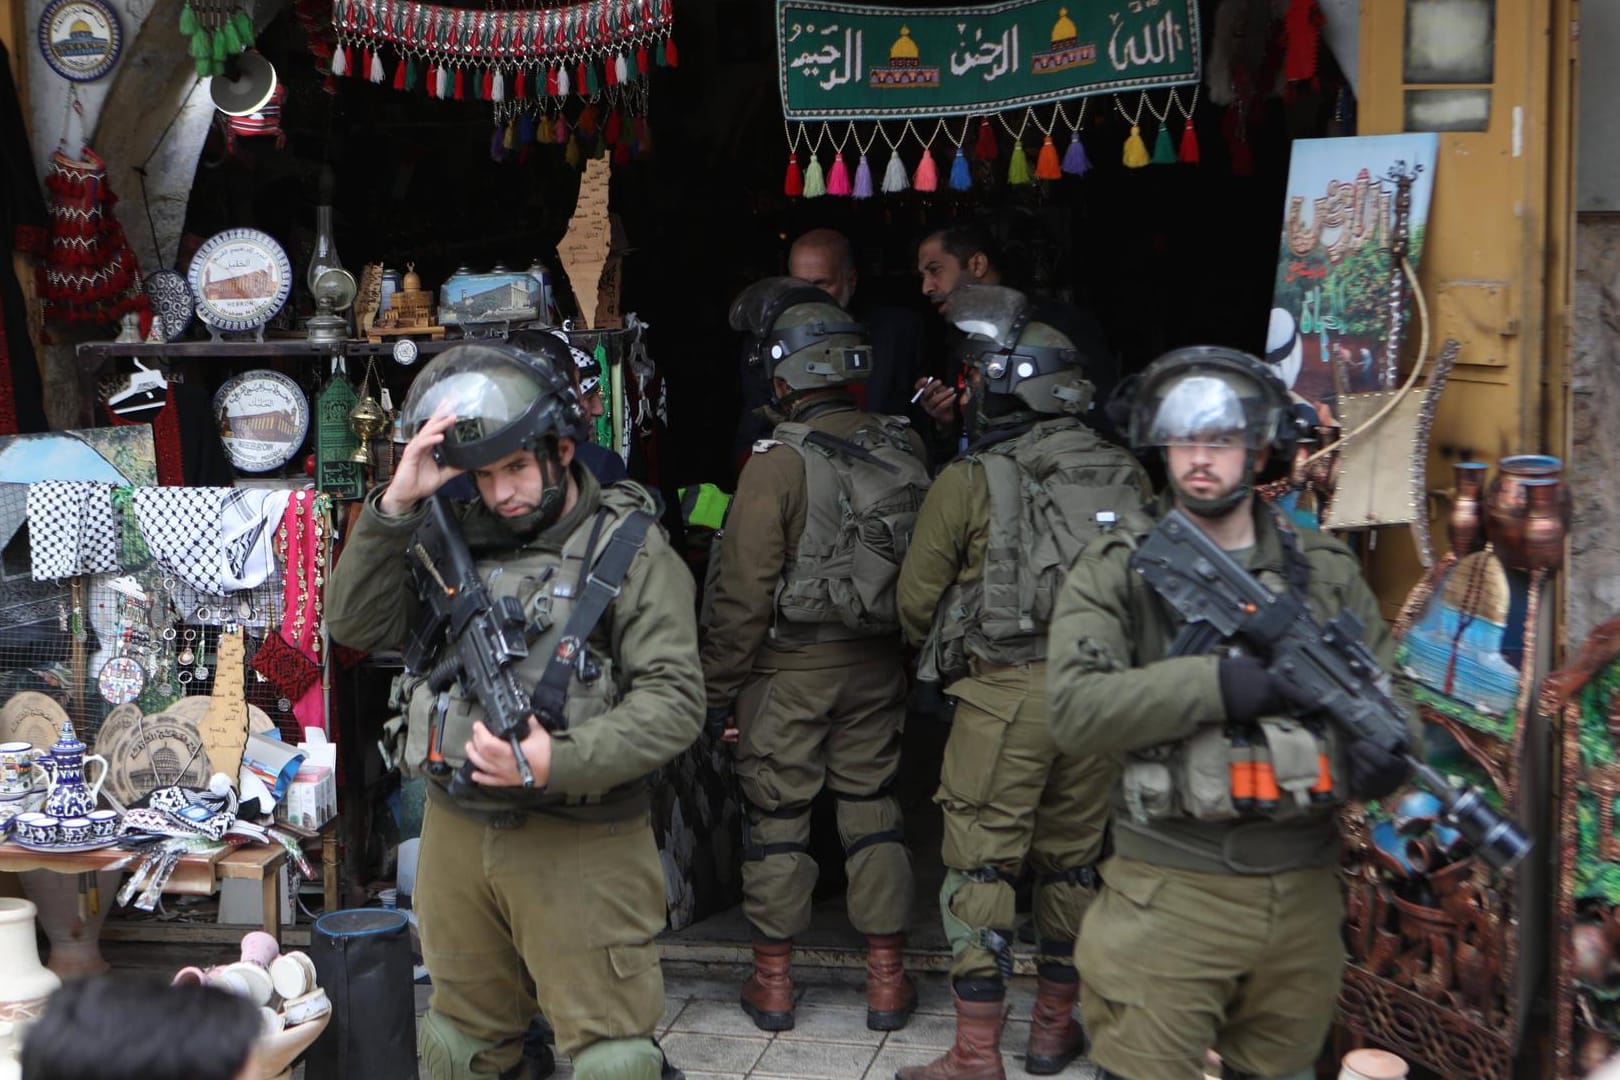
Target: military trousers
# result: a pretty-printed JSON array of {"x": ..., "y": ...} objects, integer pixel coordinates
[
  {"x": 1175, "y": 962},
  {"x": 797, "y": 731},
  {"x": 552, "y": 912},
  {"x": 1011, "y": 799}
]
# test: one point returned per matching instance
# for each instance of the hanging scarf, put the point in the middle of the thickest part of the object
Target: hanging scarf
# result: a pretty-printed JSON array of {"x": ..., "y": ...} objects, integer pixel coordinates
[
  {"x": 89, "y": 273},
  {"x": 165, "y": 436},
  {"x": 181, "y": 527},
  {"x": 72, "y": 529},
  {"x": 248, "y": 523}
]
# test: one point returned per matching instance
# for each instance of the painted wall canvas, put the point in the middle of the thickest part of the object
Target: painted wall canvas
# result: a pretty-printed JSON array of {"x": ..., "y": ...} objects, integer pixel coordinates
[
  {"x": 1331, "y": 304},
  {"x": 113, "y": 455}
]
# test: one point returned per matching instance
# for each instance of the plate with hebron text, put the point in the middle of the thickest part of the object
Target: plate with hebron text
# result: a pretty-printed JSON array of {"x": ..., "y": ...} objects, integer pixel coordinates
[
  {"x": 263, "y": 417},
  {"x": 240, "y": 279}
]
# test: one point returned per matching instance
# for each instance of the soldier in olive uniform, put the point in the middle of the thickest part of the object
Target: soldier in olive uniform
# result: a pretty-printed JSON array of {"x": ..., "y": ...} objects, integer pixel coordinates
[
  {"x": 998, "y": 530},
  {"x": 1218, "y": 921},
  {"x": 549, "y": 894},
  {"x": 802, "y": 644}
]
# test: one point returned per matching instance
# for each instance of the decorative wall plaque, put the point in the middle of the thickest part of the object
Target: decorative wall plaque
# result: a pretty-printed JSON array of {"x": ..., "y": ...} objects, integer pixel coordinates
[
  {"x": 80, "y": 39},
  {"x": 263, "y": 418}
]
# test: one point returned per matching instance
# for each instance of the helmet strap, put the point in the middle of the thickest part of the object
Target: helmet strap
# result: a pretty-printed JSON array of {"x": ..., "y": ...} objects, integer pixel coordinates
[{"x": 554, "y": 476}]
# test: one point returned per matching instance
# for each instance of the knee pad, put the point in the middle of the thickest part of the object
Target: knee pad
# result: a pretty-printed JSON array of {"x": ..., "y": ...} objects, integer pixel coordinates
[
  {"x": 447, "y": 1051},
  {"x": 620, "y": 1059}
]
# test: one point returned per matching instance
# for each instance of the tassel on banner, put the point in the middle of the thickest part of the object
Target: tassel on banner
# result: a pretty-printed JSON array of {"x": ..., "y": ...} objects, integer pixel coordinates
[
  {"x": 610, "y": 76},
  {"x": 671, "y": 57},
  {"x": 497, "y": 145},
  {"x": 1189, "y": 144},
  {"x": 1075, "y": 162},
  {"x": 244, "y": 29},
  {"x": 563, "y": 83},
  {"x": 863, "y": 179},
  {"x": 560, "y": 131},
  {"x": 642, "y": 60},
  {"x": 188, "y": 20},
  {"x": 613, "y": 128},
  {"x": 815, "y": 184},
  {"x": 233, "y": 41},
  {"x": 498, "y": 87},
  {"x": 460, "y": 91},
  {"x": 340, "y": 59},
  {"x": 510, "y": 140},
  {"x": 1136, "y": 152},
  {"x": 1018, "y": 165},
  {"x": 412, "y": 73},
  {"x": 571, "y": 153},
  {"x": 542, "y": 131},
  {"x": 551, "y": 82},
  {"x": 621, "y": 69},
  {"x": 526, "y": 132},
  {"x": 793, "y": 183},
  {"x": 927, "y": 176},
  {"x": 399, "y": 74},
  {"x": 1046, "y": 165},
  {"x": 587, "y": 120},
  {"x": 378, "y": 75},
  {"x": 961, "y": 179},
  {"x": 621, "y": 154},
  {"x": 520, "y": 85},
  {"x": 590, "y": 82},
  {"x": 838, "y": 178},
  {"x": 894, "y": 176},
  {"x": 985, "y": 148},
  {"x": 1163, "y": 152}
]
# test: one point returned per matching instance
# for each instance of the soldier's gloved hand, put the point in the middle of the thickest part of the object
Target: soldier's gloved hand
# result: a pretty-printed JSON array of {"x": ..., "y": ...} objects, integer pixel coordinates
[
  {"x": 1374, "y": 771},
  {"x": 718, "y": 723},
  {"x": 1248, "y": 690}
]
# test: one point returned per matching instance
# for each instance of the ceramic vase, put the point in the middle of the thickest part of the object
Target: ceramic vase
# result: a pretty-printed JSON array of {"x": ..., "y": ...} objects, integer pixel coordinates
[
  {"x": 1465, "y": 521},
  {"x": 24, "y": 982},
  {"x": 75, "y": 942},
  {"x": 64, "y": 765}
]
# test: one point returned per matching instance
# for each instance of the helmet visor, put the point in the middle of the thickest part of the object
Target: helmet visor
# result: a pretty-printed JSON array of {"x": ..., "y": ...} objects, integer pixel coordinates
[
  {"x": 989, "y": 311},
  {"x": 484, "y": 388},
  {"x": 1209, "y": 408},
  {"x": 756, "y": 308}
]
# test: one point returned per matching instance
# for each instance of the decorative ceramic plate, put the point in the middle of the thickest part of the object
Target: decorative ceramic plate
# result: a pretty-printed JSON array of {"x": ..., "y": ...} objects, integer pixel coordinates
[
  {"x": 121, "y": 680},
  {"x": 262, "y": 417},
  {"x": 171, "y": 298},
  {"x": 240, "y": 278},
  {"x": 32, "y": 717},
  {"x": 81, "y": 39},
  {"x": 64, "y": 849}
]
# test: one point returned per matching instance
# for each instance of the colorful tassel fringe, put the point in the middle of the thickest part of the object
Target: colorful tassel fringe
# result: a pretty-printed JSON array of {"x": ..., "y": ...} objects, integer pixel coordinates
[
  {"x": 1136, "y": 152},
  {"x": 815, "y": 182},
  {"x": 1163, "y": 152},
  {"x": 1018, "y": 165},
  {"x": 894, "y": 175},
  {"x": 838, "y": 177},
  {"x": 793, "y": 184},
  {"x": 1189, "y": 144},
  {"x": 1047, "y": 166},
  {"x": 961, "y": 179},
  {"x": 863, "y": 179},
  {"x": 985, "y": 148},
  {"x": 927, "y": 175}
]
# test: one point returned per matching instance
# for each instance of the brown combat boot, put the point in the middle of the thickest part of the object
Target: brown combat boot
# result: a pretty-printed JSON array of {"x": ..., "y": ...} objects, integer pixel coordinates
[
  {"x": 767, "y": 996},
  {"x": 1055, "y": 1036},
  {"x": 976, "y": 1054},
  {"x": 891, "y": 996}
]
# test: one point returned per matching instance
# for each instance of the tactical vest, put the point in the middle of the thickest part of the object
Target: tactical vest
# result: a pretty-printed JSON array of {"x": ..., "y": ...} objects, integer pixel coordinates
[
  {"x": 1278, "y": 769},
  {"x": 1051, "y": 490},
  {"x": 861, "y": 507},
  {"x": 547, "y": 586}
]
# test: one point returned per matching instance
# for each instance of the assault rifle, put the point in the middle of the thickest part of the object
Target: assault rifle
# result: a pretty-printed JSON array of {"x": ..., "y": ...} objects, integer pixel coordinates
[
  {"x": 1327, "y": 668},
  {"x": 479, "y": 638}
]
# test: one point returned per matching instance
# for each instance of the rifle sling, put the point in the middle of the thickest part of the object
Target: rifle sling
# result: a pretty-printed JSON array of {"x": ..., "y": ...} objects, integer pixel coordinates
[{"x": 601, "y": 588}]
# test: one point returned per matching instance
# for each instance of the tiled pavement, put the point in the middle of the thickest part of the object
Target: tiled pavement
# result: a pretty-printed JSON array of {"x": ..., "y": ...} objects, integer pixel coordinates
[{"x": 708, "y": 1037}]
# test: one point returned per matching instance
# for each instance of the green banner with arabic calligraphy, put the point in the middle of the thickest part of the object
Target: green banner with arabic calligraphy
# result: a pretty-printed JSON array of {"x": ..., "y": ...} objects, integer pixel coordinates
[{"x": 861, "y": 62}]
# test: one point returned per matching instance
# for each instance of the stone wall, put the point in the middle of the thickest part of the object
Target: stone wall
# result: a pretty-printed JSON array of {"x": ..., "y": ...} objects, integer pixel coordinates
[{"x": 1593, "y": 580}]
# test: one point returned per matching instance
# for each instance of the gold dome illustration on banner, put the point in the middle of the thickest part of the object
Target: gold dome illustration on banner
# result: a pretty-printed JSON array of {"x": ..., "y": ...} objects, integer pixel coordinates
[
  {"x": 905, "y": 68},
  {"x": 1066, "y": 50}
]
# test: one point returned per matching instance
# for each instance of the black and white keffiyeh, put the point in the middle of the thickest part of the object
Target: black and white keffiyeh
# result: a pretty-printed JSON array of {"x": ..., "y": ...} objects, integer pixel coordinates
[
  {"x": 181, "y": 527},
  {"x": 248, "y": 520},
  {"x": 73, "y": 529}
]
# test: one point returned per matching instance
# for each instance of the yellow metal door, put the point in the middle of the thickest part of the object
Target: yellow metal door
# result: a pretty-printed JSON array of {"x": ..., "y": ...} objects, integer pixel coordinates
[{"x": 1496, "y": 78}]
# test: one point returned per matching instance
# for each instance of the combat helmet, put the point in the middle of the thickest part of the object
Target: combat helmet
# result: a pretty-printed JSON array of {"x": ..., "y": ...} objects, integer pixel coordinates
[
  {"x": 797, "y": 334},
  {"x": 1024, "y": 366},
  {"x": 505, "y": 398},
  {"x": 1210, "y": 395}
]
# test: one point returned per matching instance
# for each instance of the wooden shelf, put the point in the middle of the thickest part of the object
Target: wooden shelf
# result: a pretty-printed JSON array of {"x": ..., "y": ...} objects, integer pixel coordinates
[{"x": 293, "y": 348}]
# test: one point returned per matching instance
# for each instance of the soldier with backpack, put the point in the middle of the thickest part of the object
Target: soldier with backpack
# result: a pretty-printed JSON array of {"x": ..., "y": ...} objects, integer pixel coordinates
[
  {"x": 994, "y": 538},
  {"x": 801, "y": 643}
]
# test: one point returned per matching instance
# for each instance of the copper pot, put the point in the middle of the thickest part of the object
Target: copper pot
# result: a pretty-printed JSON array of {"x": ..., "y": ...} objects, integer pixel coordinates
[
  {"x": 1507, "y": 503},
  {"x": 1465, "y": 521},
  {"x": 1544, "y": 524}
]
